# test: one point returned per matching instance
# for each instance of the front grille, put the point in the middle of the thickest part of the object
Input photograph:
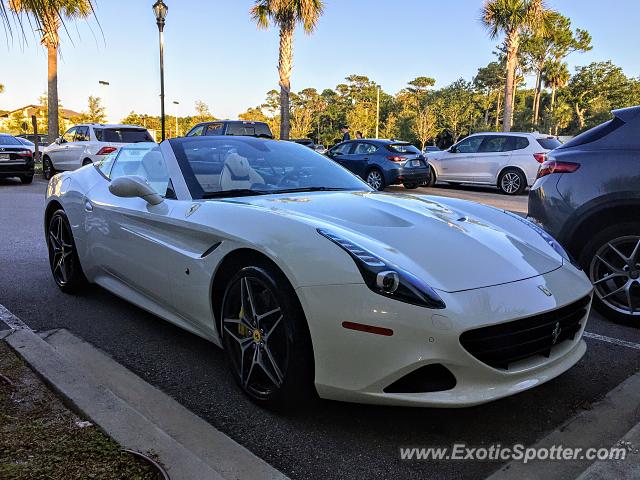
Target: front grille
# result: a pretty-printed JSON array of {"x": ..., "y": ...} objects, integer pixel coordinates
[{"x": 500, "y": 345}]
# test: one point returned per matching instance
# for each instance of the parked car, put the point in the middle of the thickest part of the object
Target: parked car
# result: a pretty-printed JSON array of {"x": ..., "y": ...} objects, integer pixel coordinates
[
  {"x": 587, "y": 195},
  {"x": 89, "y": 143},
  {"x": 16, "y": 159},
  {"x": 321, "y": 149},
  {"x": 509, "y": 161},
  {"x": 430, "y": 148},
  {"x": 311, "y": 281},
  {"x": 231, "y": 127},
  {"x": 40, "y": 139},
  {"x": 307, "y": 142},
  {"x": 382, "y": 162},
  {"x": 27, "y": 143}
]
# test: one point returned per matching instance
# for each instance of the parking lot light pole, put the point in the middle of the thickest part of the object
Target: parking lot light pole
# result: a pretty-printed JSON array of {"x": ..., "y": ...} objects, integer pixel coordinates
[
  {"x": 176, "y": 103},
  {"x": 104, "y": 84},
  {"x": 160, "y": 10}
]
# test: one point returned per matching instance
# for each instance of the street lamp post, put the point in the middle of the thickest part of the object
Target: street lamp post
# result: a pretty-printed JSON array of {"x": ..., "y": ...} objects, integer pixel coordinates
[
  {"x": 104, "y": 84},
  {"x": 160, "y": 10},
  {"x": 176, "y": 103}
]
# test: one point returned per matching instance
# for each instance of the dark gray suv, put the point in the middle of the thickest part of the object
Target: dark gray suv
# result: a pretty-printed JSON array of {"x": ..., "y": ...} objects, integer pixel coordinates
[{"x": 587, "y": 195}]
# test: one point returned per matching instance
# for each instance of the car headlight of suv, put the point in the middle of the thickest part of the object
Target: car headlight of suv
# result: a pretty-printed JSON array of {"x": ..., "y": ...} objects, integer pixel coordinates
[
  {"x": 385, "y": 278},
  {"x": 553, "y": 243}
]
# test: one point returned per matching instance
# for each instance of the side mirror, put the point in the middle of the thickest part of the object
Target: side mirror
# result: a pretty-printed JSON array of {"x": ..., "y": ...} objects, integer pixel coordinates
[
  {"x": 453, "y": 150},
  {"x": 134, "y": 186},
  {"x": 58, "y": 140}
]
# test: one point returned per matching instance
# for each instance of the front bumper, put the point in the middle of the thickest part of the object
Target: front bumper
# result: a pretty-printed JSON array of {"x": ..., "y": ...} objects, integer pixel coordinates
[{"x": 356, "y": 366}]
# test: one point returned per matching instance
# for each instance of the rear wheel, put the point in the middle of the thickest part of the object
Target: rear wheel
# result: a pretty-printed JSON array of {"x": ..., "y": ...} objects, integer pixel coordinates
[
  {"x": 63, "y": 256},
  {"x": 512, "y": 181},
  {"x": 431, "y": 181},
  {"x": 411, "y": 186},
  {"x": 265, "y": 337},
  {"x": 47, "y": 168},
  {"x": 86, "y": 161},
  {"x": 375, "y": 179},
  {"x": 26, "y": 179},
  {"x": 612, "y": 261}
]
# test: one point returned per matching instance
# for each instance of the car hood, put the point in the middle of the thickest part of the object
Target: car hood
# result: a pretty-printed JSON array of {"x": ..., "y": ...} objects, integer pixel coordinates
[{"x": 452, "y": 244}]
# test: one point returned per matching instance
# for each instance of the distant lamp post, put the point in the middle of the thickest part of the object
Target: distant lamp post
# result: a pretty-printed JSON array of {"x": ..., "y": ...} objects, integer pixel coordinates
[
  {"x": 104, "y": 84},
  {"x": 160, "y": 10},
  {"x": 176, "y": 103}
]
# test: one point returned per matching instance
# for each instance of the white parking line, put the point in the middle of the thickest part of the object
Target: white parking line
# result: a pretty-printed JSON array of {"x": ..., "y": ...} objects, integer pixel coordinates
[{"x": 615, "y": 341}]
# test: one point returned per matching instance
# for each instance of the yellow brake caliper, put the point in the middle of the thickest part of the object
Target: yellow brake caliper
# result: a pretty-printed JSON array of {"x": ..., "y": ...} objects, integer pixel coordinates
[{"x": 242, "y": 330}]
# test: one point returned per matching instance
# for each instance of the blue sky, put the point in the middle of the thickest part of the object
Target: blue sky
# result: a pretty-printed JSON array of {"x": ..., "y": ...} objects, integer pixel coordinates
[{"x": 215, "y": 53}]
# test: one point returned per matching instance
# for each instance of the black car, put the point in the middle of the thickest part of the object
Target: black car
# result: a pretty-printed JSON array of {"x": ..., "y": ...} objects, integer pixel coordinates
[
  {"x": 382, "y": 162},
  {"x": 16, "y": 159},
  {"x": 41, "y": 139},
  {"x": 231, "y": 127},
  {"x": 587, "y": 195}
]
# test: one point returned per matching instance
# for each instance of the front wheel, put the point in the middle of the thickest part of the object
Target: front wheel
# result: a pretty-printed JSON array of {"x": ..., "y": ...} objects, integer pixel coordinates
[
  {"x": 375, "y": 179},
  {"x": 512, "y": 182},
  {"x": 26, "y": 179},
  {"x": 63, "y": 256},
  {"x": 47, "y": 168},
  {"x": 612, "y": 261},
  {"x": 265, "y": 337}
]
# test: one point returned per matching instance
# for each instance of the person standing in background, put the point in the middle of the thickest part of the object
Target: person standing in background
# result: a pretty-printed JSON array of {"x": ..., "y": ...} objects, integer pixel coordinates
[
  {"x": 344, "y": 129},
  {"x": 359, "y": 135}
]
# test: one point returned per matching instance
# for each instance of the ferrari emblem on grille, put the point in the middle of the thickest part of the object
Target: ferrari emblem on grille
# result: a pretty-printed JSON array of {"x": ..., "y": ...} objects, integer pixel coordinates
[
  {"x": 556, "y": 333},
  {"x": 545, "y": 290}
]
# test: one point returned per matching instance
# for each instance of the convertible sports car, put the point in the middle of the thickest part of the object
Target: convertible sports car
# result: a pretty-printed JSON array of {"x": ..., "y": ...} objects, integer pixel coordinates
[{"x": 309, "y": 278}]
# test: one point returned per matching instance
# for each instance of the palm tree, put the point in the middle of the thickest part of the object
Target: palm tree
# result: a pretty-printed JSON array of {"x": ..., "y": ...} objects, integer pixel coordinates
[
  {"x": 286, "y": 14},
  {"x": 555, "y": 76},
  {"x": 513, "y": 18},
  {"x": 49, "y": 15}
]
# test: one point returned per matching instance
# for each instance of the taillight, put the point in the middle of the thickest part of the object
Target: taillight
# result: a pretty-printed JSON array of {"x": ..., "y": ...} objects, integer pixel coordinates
[
  {"x": 540, "y": 157},
  {"x": 106, "y": 150},
  {"x": 395, "y": 158},
  {"x": 553, "y": 166},
  {"x": 25, "y": 153}
]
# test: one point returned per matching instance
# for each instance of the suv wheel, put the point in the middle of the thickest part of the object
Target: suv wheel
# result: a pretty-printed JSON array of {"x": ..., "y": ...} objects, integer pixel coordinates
[
  {"x": 431, "y": 181},
  {"x": 512, "y": 181},
  {"x": 47, "y": 168},
  {"x": 86, "y": 161},
  {"x": 612, "y": 261}
]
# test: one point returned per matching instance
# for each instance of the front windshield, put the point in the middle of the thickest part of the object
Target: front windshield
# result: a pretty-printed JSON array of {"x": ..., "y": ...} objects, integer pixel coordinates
[{"x": 228, "y": 166}]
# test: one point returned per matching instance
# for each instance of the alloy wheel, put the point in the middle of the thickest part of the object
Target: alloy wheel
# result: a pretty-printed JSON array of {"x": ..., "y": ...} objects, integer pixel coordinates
[
  {"x": 61, "y": 245},
  {"x": 255, "y": 336},
  {"x": 615, "y": 274},
  {"x": 47, "y": 168},
  {"x": 510, "y": 182},
  {"x": 374, "y": 179}
]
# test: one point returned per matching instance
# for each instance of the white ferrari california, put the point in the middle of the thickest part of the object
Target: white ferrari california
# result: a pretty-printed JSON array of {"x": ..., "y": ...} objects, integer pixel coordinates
[{"x": 310, "y": 280}]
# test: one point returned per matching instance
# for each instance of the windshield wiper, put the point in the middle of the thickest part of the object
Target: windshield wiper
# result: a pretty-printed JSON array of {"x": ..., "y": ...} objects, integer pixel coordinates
[
  {"x": 238, "y": 192},
  {"x": 311, "y": 189}
]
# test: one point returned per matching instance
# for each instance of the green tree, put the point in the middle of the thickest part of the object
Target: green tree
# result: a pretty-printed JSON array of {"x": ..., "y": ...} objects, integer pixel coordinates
[
  {"x": 557, "y": 42},
  {"x": 455, "y": 107},
  {"x": 513, "y": 18},
  {"x": 555, "y": 75},
  {"x": 95, "y": 113},
  {"x": 203, "y": 114},
  {"x": 286, "y": 14},
  {"x": 490, "y": 80},
  {"x": 49, "y": 16}
]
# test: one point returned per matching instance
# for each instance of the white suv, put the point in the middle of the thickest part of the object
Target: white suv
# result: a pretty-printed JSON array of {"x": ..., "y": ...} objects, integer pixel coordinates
[
  {"x": 88, "y": 143},
  {"x": 508, "y": 160}
]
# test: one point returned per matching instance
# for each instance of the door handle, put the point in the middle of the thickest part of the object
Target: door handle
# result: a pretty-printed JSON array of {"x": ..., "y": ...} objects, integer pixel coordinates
[{"x": 88, "y": 206}]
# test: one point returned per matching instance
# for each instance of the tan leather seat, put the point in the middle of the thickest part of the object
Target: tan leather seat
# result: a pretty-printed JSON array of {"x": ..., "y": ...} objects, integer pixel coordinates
[{"x": 238, "y": 174}]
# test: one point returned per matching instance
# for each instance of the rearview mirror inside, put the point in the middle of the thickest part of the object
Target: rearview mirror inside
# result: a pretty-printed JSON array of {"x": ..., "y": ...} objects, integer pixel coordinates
[{"x": 134, "y": 186}]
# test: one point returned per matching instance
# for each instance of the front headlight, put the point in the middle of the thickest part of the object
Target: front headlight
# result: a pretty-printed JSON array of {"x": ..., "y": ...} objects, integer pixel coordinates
[
  {"x": 385, "y": 278},
  {"x": 553, "y": 243}
]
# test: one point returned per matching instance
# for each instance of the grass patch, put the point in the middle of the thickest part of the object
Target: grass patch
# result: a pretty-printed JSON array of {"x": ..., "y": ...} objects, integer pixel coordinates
[{"x": 41, "y": 439}]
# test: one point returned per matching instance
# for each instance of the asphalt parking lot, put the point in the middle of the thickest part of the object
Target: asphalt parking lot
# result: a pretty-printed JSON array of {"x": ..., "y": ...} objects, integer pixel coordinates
[{"x": 323, "y": 439}]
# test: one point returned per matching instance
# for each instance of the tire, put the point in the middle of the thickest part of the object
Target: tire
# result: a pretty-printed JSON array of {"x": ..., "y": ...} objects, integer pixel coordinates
[
  {"x": 431, "y": 181},
  {"x": 411, "y": 186},
  {"x": 86, "y": 161},
  {"x": 63, "y": 256},
  {"x": 48, "y": 170},
  {"x": 512, "y": 181},
  {"x": 26, "y": 179},
  {"x": 271, "y": 357},
  {"x": 609, "y": 272},
  {"x": 375, "y": 179}
]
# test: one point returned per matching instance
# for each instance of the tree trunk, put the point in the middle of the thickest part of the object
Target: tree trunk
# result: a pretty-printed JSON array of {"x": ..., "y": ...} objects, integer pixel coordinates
[
  {"x": 513, "y": 106},
  {"x": 553, "y": 98},
  {"x": 511, "y": 42},
  {"x": 498, "y": 109},
  {"x": 536, "y": 99},
  {"x": 580, "y": 115},
  {"x": 285, "y": 65},
  {"x": 52, "y": 93}
]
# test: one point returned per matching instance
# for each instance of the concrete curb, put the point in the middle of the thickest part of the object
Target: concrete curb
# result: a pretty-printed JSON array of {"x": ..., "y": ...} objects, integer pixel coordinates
[{"x": 132, "y": 412}]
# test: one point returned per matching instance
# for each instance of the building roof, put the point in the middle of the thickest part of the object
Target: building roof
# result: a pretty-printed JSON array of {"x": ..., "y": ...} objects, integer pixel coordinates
[{"x": 64, "y": 112}]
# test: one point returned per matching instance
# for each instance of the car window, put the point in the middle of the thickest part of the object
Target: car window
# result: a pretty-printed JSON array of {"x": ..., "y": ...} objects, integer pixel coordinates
[
  {"x": 249, "y": 129},
  {"x": 214, "y": 165},
  {"x": 146, "y": 162},
  {"x": 196, "y": 132},
  {"x": 403, "y": 148},
  {"x": 549, "y": 143},
  {"x": 69, "y": 135},
  {"x": 519, "y": 143},
  {"x": 8, "y": 140},
  {"x": 122, "y": 135},
  {"x": 364, "y": 149},
  {"x": 82, "y": 134},
  {"x": 470, "y": 144},
  {"x": 342, "y": 149},
  {"x": 496, "y": 143},
  {"x": 105, "y": 164},
  {"x": 215, "y": 129}
]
